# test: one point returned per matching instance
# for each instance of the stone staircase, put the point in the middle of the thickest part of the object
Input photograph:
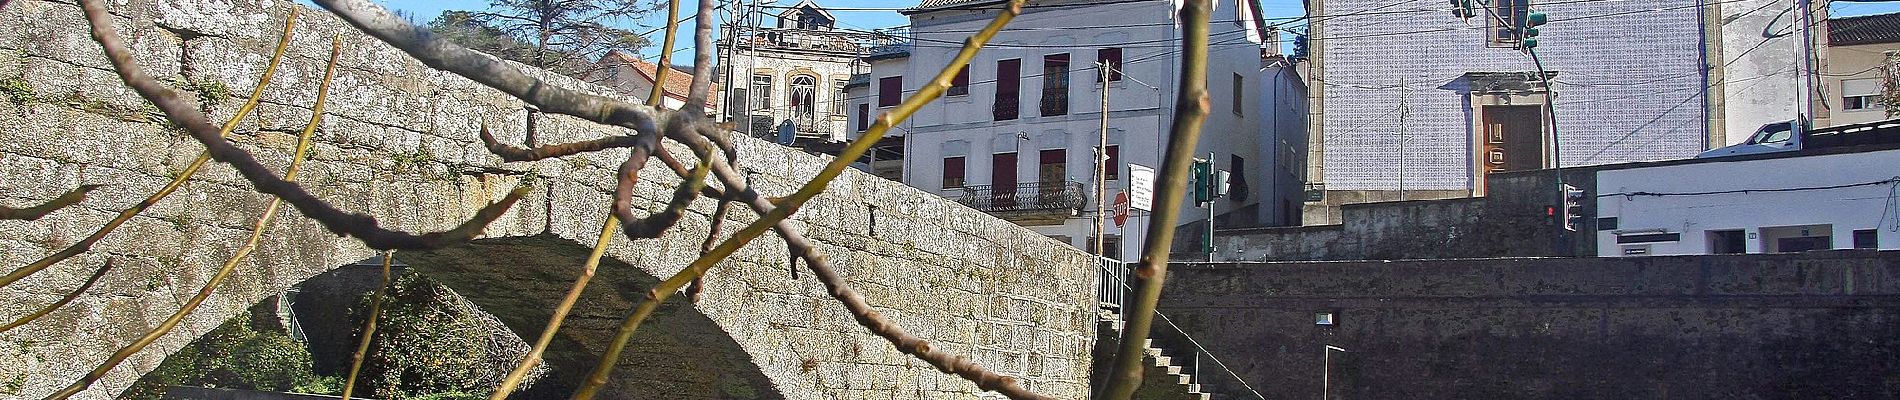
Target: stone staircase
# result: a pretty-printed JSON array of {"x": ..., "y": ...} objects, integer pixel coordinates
[{"x": 1169, "y": 371}]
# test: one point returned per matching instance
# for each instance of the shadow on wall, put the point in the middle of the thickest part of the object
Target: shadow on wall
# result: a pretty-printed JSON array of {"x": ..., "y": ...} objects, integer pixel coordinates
[{"x": 464, "y": 311}]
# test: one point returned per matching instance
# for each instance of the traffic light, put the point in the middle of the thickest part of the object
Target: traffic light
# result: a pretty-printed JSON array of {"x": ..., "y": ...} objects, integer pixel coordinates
[
  {"x": 1203, "y": 173},
  {"x": 1463, "y": 9},
  {"x": 1531, "y": 22},
  {"x": 1573, "y": 208}
]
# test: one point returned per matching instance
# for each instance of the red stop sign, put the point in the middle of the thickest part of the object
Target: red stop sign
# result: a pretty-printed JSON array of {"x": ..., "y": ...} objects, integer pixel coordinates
[{"x": 1121, "y": 209}]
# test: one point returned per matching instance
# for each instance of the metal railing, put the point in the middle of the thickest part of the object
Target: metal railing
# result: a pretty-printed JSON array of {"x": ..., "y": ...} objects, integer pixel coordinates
[
  {"x": 1113, "y": 279},
  {"x": 1111, "y": 283},
  {"x": 1024, "y": 197},
  {"x": 1006, "y": 107},
  {"x": 1055, "y": 102}
]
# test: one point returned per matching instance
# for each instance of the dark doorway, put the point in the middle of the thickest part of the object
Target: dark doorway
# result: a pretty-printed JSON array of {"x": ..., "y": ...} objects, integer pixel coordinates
[
  {"x": 1003, "y": 180},
  {"x": 1727, "y": 242}
]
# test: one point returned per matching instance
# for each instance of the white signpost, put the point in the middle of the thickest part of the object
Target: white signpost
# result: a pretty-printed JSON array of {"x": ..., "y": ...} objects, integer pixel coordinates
[{"x": 1141, "y": 187}]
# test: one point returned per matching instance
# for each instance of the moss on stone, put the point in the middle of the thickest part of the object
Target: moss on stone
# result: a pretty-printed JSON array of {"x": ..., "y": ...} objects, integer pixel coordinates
[{"x": 18, "y": 91}]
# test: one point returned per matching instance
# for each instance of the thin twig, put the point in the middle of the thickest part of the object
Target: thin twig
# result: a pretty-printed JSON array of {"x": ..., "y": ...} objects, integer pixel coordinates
[
  {"x": 489, "y": 71},
  {"x": 369, "y": 327},
  {"x": 520, "y": 371},
  {"x": 62, "y": 300},
  {"x": 84, "y": 245},
  {"x": 1185, "y": 133},
  {"x": 101, "y": 30},
  {"x": 657, "y": 96},
  {"x": 361, "y": 226},
  {"x": 786, "y": 206},
  {"x": 511, "y": 153},
  {"x": 35, "y": 212}
]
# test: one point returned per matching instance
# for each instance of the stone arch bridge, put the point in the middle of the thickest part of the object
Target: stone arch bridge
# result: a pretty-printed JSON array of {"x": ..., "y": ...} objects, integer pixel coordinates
[{"x": 399, "y": 141}]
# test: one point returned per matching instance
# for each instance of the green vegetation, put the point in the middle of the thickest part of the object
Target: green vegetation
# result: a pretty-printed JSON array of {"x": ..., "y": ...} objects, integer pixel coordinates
[
  {"x": 210, "y": 92},
  {"x": 239, "y": 354},
  {"x": 429, "y": 345}
]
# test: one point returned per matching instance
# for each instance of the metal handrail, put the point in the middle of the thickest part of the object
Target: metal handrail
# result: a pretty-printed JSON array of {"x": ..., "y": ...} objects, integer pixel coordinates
[{"x": 1197, "y": 344}]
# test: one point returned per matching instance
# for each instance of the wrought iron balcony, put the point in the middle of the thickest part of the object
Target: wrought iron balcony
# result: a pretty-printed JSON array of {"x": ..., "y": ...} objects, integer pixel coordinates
[{"x": 1065, "y": 197}]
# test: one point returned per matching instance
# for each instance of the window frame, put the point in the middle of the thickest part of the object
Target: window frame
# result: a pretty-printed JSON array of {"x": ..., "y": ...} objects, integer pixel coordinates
[
  {"x": 959, "y": 84},
  {"x": 761, "y": 94},
  {"x": 886, "y": 97},
  {"x": 1055, "y": 85},
  {"x": 960, "y": 178},
  {"x": 1112, "y": 56}
]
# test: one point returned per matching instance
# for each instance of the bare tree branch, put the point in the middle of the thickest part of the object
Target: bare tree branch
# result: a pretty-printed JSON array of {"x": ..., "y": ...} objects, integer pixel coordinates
[
  {"x": 84, "y": 245},
  {"x": 491, "y": 72},
  {"x": 361, "y": 226},
  {"x": 1184, "y": 134},
  {"x": 23, "y": 320},
  {"x": 512, "y": 153},
  {"x": 101, "y": 23},
  {"x": 35, "y": 212},
  {"x": 369, "y": 327}
]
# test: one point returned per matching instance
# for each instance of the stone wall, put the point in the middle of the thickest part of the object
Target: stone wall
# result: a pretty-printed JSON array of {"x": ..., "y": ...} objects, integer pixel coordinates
[
  {"x": 399, "y": 142},
  {"x": 1509, "y": 221},
  {"x": 1810, "y": 325}
]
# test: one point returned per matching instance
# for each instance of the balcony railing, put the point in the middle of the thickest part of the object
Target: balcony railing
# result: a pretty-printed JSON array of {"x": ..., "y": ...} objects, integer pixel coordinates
[
  {"x": 1005, "y": 108},
  {"x": 1052, "y": 196}
]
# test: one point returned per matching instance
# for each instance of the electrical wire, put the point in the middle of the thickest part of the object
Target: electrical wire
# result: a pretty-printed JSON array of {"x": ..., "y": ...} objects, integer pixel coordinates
[{"x": 1889, "y": 181}]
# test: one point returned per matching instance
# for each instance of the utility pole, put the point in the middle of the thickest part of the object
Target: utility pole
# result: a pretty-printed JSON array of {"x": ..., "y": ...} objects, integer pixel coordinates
[
  {"x": 1101, "y": 162},
  {"x": 1805, "y": 108}
]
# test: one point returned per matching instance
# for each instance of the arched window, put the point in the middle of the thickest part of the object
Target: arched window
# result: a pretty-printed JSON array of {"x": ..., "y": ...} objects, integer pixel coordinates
[{"x": 804, "y": 91}]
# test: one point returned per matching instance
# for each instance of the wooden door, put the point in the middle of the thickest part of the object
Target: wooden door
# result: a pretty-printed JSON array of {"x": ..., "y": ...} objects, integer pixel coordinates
[{"x": 1513, "y": 138}]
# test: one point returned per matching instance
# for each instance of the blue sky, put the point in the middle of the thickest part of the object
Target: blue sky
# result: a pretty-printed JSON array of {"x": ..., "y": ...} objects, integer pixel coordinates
[{"x": 425, "y": 10}]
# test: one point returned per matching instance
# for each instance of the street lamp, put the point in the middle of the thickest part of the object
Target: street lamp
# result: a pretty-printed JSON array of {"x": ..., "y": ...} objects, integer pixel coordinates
[{"x": 1326, "y": 373}]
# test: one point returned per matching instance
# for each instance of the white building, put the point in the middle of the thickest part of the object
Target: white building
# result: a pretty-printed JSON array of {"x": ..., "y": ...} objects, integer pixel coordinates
[
  {"x": 787, "y": 68},
  {"x": 1016, "y": 134},
  {"x": 629, "y": 75},
  {"x": 1765, "y": 205}
]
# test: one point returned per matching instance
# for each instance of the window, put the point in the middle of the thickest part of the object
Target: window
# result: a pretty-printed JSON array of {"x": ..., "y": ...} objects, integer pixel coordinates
[
  {"x": 960, "y": 85},
  {"x": 1240, "y": 95},
  {"x": 1237, "y": 181},
  {"x": 804, "y": 90},
  {"x": 1054, "y": 167},
  {"x": 761, "y": 94},
  {"x": 890, "y": 91},
  {"x": 864, "y": 116},
  {"x": 952, "y": 172},
  {"x": 1113, "y": 169},
  {"x": 1860, "y": 94},
  {"x": 837, "y": 97},
  {"x": 1112, "y": 57},
  {"x": 1867, "y": 239},
  {"x": 1513, "y": 13},
  {"x": 1008, "y": 89},
  {"x": 1055, "y": 84}
]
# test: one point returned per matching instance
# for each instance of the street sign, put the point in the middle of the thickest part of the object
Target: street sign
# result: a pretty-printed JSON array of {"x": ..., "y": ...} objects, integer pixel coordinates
[
  {"x": 1141, "y": 187},
  {"x": 1121, "y": 209}
]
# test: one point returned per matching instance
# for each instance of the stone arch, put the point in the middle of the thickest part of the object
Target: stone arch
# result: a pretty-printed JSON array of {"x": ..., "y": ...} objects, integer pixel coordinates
[{"x": 400, "y": 143}]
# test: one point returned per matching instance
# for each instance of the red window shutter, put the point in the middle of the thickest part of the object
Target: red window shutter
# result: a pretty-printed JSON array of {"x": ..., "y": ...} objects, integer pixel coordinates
[
  {"x": 952, "y": 172},
  {"x": 890, "y": 91},
  {"x": 1113, "y": 170},
  {"x": 864, "y": 116},
  {"x": 960, "y": 85},
  {"x": 1008, "y": 89}
]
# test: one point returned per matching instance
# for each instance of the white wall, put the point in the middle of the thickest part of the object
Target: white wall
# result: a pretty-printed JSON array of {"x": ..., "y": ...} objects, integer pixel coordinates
[
  {"x": 1141, "y": 104},
  {"x": 1846, "y": 209}
]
